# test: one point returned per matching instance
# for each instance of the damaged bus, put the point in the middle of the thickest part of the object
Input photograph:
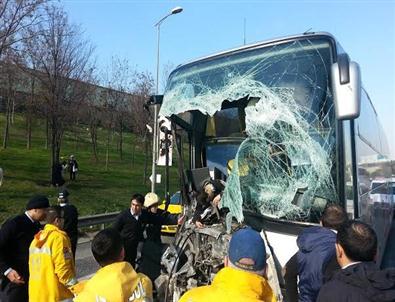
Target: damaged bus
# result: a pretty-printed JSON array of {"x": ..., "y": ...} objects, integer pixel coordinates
[{"x": 288, "y": 126}]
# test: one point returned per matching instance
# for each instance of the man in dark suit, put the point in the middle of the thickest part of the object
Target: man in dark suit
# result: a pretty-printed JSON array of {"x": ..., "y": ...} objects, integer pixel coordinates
[
  {"x": 130, "y": 224},
  {"x": 70, "y": 218},
  {"x": 16, "y": 234}
]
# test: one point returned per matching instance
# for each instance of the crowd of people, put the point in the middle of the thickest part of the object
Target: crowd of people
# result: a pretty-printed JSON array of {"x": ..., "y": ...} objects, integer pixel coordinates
[{"x": 335, "y": 261}]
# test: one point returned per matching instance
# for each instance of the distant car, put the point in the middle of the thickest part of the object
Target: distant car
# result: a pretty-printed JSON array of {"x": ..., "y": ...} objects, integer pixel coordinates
[
  {"x": 175, "y": 207},
  {"x": 383, "y": 190}
]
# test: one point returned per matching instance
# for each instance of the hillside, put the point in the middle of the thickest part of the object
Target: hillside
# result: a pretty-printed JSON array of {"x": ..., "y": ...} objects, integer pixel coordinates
[{"x": 27, "y": 172}]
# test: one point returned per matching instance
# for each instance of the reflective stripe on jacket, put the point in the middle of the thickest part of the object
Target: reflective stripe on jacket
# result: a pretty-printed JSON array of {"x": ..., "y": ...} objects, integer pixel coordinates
[
  {"x": 51, "y": 266},
  {"x": 117, "y": 282},
  {"x": 232, "y": 284}
]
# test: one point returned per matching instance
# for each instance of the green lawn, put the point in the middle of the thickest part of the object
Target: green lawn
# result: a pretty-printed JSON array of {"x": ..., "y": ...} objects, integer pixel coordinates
[{"x": 27, "y": 172}]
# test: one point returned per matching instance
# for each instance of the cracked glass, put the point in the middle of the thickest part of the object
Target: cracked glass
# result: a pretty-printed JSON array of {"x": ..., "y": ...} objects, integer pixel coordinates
[{"x": 273, "y": 107}]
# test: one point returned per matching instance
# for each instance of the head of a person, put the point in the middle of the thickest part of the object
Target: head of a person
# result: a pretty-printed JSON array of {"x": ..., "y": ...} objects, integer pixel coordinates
[
  {"x": 247, "y": 252},
  {"x": 107, "y": 247},
  {"x": 355, "y": 241},
  {"x": 63, "y": 196},
  {"x": 71, "y": 156},
  {"x": 151, "y": 202},
  {"x": 212, "y": 188},
  {"x": 334, "y": 217},
  {"x": 55, "y": 216},
  {"x": 136, "y": 203},
  {"x": 37, "y": 207}
]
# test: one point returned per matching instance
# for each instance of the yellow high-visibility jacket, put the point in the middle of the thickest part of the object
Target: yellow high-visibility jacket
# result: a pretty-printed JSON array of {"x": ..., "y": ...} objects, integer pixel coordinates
[
  {"x": 51, "y": 266},
  {"x": 116, "y": 282},
  {"x": 231, "y": 284}
]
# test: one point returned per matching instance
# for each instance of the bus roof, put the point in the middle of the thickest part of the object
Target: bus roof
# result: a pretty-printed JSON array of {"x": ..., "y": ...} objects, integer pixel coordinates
[{"x": 257, "y": 45}]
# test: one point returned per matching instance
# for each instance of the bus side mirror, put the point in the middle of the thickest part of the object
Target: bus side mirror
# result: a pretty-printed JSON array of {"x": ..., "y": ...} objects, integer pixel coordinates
[{"x": 346, "y": 87}]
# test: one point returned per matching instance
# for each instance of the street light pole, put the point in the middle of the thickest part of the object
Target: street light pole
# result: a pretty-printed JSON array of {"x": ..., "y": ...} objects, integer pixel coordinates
[{"x": 174, "y": 11}]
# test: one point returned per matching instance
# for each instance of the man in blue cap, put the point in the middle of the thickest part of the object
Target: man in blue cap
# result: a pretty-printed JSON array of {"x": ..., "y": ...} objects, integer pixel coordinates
[
  {"x": 244, "y": 276},
  {"x": 16, "y": 234}
]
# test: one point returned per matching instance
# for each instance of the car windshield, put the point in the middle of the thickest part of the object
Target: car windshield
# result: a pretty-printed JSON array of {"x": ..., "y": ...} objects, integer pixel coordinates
[
  {"x": 175, "y": 198},
  {"x": 276, "y": 100},
  {"x": 382, "y": 188}
]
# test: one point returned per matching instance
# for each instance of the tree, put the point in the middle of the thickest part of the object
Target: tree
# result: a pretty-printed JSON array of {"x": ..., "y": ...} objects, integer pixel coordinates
[
  {"x": 10, "y": 81},
  {"x": 119, "y": 80},
  {"x": 16, "y": 16},
  {"x": 143, "y": 83},
  {"x": 62, "y": 60},
  {"x": 91, "y": 112}
]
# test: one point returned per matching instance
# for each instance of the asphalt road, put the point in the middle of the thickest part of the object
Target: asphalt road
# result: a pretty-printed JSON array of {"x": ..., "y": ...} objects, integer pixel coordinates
[{"x": 84, "y": 261}]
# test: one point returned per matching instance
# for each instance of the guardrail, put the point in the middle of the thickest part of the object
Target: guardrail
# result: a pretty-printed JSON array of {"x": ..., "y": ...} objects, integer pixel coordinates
[{"x": 99, "y": 219}]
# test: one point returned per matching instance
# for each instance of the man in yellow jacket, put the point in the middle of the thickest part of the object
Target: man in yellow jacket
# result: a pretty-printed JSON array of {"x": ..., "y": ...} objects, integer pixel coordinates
[
  {"x": 243, "y": 277},
  {"x": 116, "y": 281},
  {"x": 51, "y": 263}
]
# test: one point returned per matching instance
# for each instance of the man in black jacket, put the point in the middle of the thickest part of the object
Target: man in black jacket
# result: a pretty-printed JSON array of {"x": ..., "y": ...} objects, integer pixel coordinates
[
  {"x": 70, "y": 219},
  {"x": 130, "y": 224},
  {"x": 16, "y": 234},
  {"x": 359, "y": 278}
]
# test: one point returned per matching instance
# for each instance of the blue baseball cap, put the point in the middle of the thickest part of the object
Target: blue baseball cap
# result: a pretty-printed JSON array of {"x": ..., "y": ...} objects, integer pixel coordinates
[{"x": 247, "y": 243}]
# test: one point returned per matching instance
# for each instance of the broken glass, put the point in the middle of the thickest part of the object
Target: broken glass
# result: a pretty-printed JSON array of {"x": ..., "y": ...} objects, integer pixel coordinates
[{"x": 284, "y": 165}]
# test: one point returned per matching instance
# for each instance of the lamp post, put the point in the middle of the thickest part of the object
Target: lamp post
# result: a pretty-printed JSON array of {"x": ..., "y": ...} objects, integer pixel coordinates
[{"x": 174, "y": 11}]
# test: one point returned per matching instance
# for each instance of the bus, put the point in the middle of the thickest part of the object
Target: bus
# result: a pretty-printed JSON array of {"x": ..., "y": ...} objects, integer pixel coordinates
[{"x": 288, "y": 125}]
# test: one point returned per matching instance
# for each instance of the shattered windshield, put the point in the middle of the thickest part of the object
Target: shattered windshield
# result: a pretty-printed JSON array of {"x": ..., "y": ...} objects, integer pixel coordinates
[{"x": 276, "y": 100}]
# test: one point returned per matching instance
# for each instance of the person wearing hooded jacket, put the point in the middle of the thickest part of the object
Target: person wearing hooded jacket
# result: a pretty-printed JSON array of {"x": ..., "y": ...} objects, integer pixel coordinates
[
  {"x": 244, "y": 276},
  {"x": 116, "y": 280},
  {"x": 51, "y": 264},
  {"x": 316, "y": 257},
  {"x": 359, "y": 278}
]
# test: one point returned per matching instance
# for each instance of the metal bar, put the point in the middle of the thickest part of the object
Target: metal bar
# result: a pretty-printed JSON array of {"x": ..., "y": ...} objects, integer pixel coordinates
[{"x": 99, "y": 219}]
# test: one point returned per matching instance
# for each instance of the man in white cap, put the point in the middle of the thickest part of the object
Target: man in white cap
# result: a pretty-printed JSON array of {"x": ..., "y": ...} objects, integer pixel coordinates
[
  {"x": 153, "y": 231},
  {"x": 153, "y": 248}
]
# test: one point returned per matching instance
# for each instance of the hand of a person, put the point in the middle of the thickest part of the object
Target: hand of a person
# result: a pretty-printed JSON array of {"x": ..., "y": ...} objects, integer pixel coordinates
[
  {"x": 14, "y": 277},
  {"x": 181, "y": 220},
  {"x": 199, "y": 224},
  {"x": 217, "y": 200}
]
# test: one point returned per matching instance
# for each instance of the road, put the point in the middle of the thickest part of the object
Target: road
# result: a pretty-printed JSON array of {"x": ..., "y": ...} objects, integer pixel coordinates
[{"x": 84, "y": 261}]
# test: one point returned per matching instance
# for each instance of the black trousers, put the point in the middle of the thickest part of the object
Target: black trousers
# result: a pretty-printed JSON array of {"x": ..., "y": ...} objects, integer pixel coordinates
[
  {"x": 131, "y": 252},
  {"x": 15, "y": 293}
]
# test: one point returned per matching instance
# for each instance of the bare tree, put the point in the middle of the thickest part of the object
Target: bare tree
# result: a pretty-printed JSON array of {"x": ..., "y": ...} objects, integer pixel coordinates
[
  {"x": 118, "y": 77},
  {"x": 91, "y": 112},
  {"x": 16, "y": 16},
  {"x": 143, "y": 83},
  {"x": 9, "y": 78},
  {"x": 62, "y": 60}
]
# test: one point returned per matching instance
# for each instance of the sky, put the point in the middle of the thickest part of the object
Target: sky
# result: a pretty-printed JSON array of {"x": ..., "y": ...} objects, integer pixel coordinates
[{"x": 125, "y": 28}]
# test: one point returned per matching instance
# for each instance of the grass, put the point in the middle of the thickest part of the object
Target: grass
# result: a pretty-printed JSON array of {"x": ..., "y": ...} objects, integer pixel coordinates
[{"x": 27, "y": 172}]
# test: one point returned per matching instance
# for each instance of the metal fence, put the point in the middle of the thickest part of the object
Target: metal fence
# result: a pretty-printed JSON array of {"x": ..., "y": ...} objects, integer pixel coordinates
[{"x": 100, "y": 219}]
